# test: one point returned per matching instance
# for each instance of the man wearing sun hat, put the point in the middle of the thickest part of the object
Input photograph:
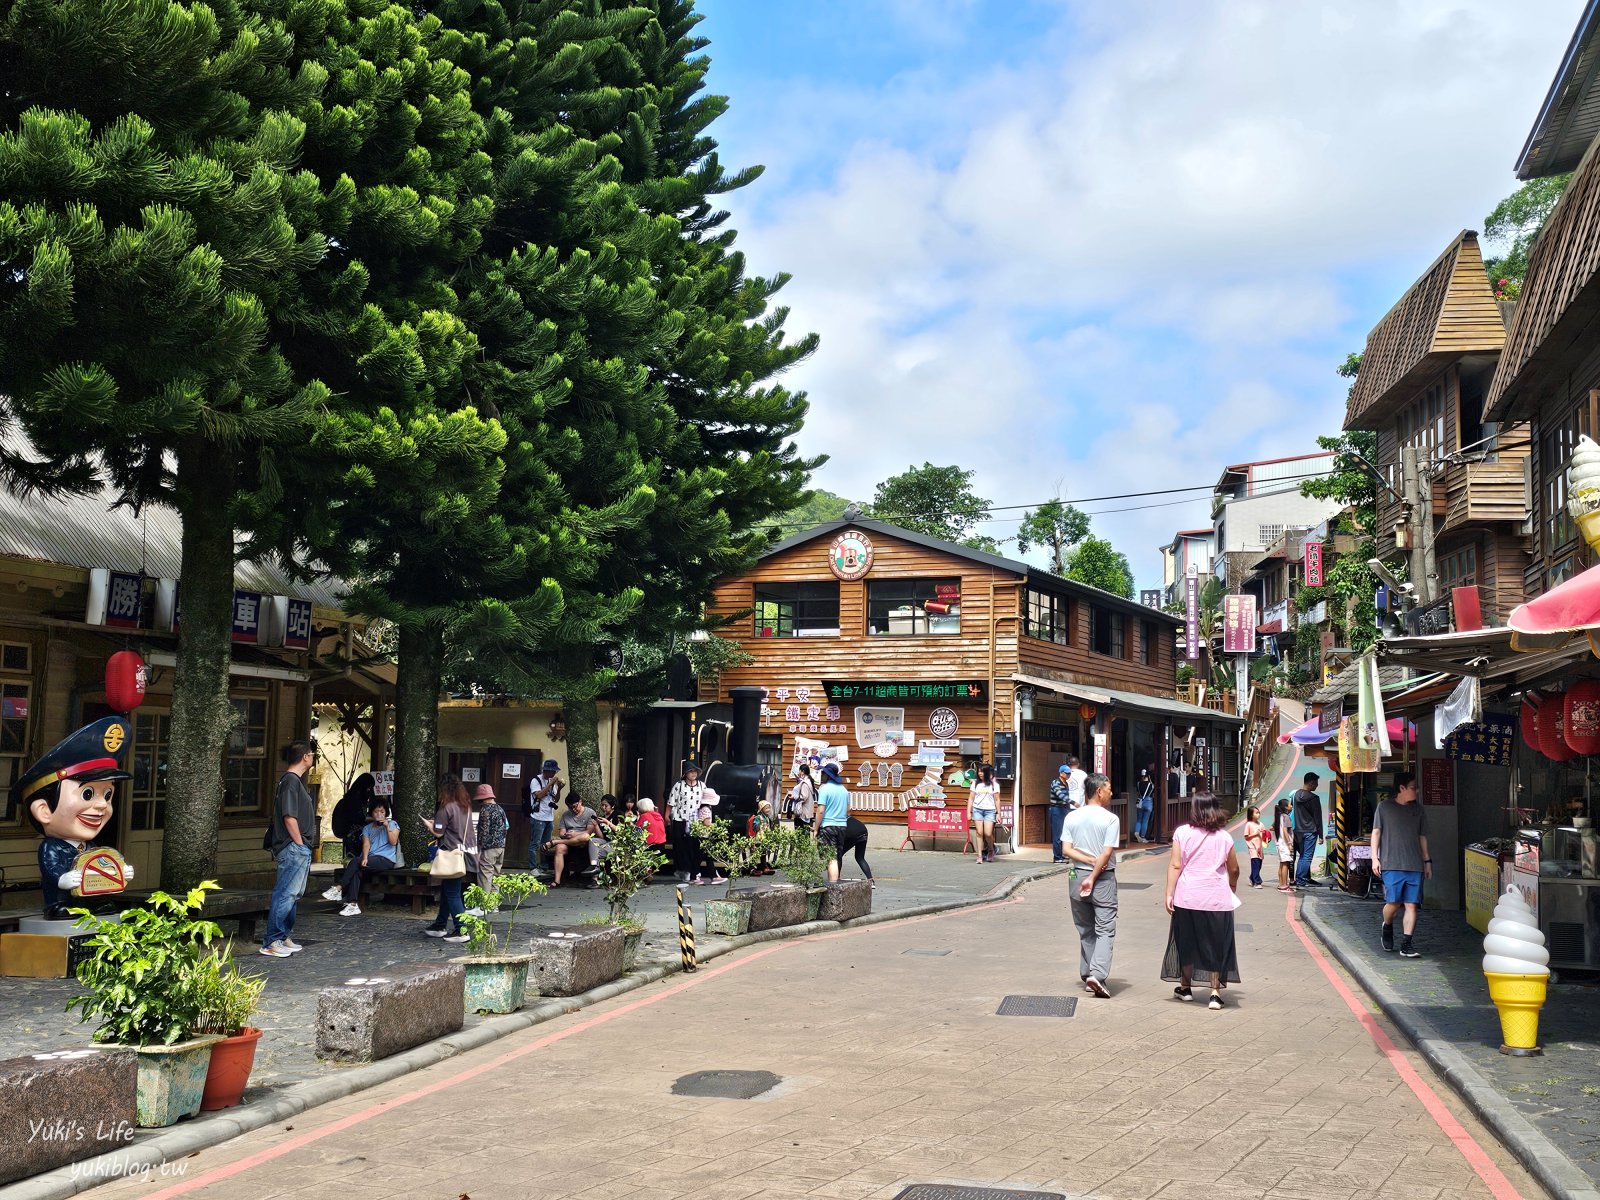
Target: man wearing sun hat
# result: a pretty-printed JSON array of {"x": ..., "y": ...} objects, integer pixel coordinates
[{"x": 67, "y": 795}]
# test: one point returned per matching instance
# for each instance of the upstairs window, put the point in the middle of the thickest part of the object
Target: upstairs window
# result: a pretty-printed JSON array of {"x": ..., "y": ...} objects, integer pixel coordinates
[
  {"x": 1107, "y": 632},
  {"x": 914, "y": 606},
  {"x": 1049, "y": 618},
  {"x": 797, "y": 609},
  {"x": 1149, "y": 652}
]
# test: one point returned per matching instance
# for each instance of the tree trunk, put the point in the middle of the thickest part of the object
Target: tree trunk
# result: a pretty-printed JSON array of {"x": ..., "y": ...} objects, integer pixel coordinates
[
  {"x": 584, "y": 773},
  {"x": 202, "y": 716},
  {"x": 416, "y": 733}
]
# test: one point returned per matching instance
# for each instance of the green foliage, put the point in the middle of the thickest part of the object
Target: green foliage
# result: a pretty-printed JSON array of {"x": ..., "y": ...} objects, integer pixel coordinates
[
  {"x": 1514, "y": 225},
  {"x": 1349, "y": 583},
  {"x": 937, "y": 501},
  {"x": 628, "y": 866},
  {"x": 712, "y": 655},
  {"x": 729, "y": 850},
  {"x": 515, "y": 886},
  {"x": 1056, "y": 526},
  {"x": 228, "y": 999},
  {"x": 818, "y": 508},
  {"x": 1096, "y": 562},
  {"x": 798, "y": 854},
  {"x": 146, "y": 972}
]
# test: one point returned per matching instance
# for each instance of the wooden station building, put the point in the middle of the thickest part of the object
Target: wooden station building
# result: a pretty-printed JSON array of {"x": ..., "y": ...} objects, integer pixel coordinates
[{"x": 911, "y": 659}]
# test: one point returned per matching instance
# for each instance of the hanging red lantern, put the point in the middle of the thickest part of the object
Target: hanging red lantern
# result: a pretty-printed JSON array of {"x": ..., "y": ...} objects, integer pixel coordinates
[
  {"x": 1528, "y": 720},
  {"x": 1087, "y": 711},
  {"x": 1552, "y": 725},
  {"x": 1581, "y": 708},
  {"x": 125, "y": 681}
]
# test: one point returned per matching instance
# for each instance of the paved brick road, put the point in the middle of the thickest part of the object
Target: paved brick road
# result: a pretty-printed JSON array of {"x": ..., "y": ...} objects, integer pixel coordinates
[{"x": 896, "y": 1069}]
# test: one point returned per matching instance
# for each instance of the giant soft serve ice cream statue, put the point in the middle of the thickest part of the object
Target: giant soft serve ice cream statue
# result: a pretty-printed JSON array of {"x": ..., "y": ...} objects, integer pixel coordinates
[{"x": 1583, "y": 489}]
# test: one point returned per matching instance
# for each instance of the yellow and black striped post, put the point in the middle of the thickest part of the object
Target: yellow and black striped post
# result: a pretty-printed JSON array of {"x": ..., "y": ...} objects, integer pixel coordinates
[
  {"x": 686, "y": 933},
  {"x": 1337, "y": 858}
]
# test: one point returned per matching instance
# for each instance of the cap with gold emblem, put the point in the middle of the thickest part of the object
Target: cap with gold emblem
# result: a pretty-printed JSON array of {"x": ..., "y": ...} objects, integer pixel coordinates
[{"x": 92, "y": 753}]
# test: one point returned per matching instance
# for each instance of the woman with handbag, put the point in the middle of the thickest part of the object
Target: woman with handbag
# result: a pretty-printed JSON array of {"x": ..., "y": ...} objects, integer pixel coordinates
[
  {"x": 452, "y": 827},
  {"x": 1202, "y": 892}
]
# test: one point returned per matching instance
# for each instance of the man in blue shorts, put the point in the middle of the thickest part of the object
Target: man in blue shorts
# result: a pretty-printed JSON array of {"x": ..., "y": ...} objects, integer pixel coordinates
[{"x": 1400, "y": 859}]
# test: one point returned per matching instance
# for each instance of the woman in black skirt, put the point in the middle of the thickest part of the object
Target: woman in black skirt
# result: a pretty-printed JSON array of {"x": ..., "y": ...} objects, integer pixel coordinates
[{"x": 1202, "y": 892}]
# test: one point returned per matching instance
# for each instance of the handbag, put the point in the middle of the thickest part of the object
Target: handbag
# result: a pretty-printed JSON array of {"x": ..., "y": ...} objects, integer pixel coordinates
[{"x": 449, "y": 864}]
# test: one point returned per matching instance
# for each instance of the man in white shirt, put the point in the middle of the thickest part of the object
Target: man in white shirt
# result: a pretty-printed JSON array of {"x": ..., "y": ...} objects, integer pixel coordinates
[
  {"x": 1076, "y": 779},
  {"x": 1090, "y": 839}
]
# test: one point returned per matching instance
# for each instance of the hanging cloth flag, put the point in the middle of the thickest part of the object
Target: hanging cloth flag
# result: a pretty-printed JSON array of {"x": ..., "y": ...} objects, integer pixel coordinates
[
  {"x": 1372, "y": 732},
  {"x": 1462, "y": 707},
  {"x": 1352, "y": 758}
]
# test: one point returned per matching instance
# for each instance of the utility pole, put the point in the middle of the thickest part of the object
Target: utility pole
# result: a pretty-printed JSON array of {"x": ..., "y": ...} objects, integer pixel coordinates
[{"x": 1419, "y": 517}]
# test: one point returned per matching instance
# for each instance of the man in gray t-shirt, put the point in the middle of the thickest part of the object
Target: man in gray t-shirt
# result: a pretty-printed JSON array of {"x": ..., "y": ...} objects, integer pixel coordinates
[
  {"x": 1400, "y": 859},
  {"x": 577, "y": 826}
]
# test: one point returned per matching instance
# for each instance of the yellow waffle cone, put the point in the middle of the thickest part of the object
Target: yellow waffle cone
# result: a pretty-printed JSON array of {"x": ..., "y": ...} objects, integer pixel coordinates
[
  {"x": 1519, "y": 999},
  {"x": 1589, "y": 526}
]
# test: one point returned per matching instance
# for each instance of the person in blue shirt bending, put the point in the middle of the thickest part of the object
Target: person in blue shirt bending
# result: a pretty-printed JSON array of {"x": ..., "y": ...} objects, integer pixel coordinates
[{"x": 832, "y": 820}]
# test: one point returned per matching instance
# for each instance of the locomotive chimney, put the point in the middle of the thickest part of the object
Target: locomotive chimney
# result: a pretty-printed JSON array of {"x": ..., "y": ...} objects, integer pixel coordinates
[{"x": 746, "y": 724}]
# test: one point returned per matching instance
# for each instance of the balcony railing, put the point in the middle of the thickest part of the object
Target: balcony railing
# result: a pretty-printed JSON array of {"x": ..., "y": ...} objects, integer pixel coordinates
[{"x": 1222, "y": 700}]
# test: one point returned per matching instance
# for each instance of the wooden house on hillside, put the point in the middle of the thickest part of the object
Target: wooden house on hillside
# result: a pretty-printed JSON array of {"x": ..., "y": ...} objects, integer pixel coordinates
[
  {"x": 858, "y": 630},
  {"x": 1424, "y": 376}
]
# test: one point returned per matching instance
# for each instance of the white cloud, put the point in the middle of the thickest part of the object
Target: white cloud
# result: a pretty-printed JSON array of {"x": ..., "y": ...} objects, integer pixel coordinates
[{"x": 1137, "y": 251}]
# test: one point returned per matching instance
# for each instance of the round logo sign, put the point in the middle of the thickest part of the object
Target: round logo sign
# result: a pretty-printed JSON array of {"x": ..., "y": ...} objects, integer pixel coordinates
[
  {"x": 850, "y": 555},
  {"x": 943, "y": 722}
]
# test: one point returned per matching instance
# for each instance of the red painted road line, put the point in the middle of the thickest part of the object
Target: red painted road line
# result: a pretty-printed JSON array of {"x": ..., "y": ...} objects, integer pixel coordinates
[
  {"x": 227, "y": 1171},
  {"x": 1477, "y": 1158}
]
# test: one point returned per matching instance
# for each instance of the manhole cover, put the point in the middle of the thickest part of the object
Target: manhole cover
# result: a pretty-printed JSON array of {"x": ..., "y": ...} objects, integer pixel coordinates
[
  {"x": 927, "y": 953},
  {"x": 1131, "y": 887},
  {"x": 1036, "y": 1006},
  {"x": 960, "y": 1191},
  {"x": 726, "y": 1085},
  {"x": 1244, "y": 928}
]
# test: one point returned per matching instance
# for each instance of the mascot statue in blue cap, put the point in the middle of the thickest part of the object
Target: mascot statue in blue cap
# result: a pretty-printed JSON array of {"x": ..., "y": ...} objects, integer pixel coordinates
[{"x": 68, "y": 796}]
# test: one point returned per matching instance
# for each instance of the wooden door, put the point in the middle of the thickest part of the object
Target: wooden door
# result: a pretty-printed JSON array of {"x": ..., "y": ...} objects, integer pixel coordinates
[
  {"x": 142, "y": 800},
  {"x": 508, "y": 771}
]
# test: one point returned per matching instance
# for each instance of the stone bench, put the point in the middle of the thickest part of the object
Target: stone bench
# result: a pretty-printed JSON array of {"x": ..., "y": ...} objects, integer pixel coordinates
[
  {"x": 368, "y": 1018},
  {"x": 569, "y": 959},
  {"x": 774, "y": 906},
  {"x": 846, "y": 900},
  {"x": 61, "y": 1106}
]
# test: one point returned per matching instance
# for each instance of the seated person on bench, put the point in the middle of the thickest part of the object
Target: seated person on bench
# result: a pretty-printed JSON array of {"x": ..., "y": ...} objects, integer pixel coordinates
[
  {"x": 380, "y": 851},
  {"x": 577, "y": 827}
]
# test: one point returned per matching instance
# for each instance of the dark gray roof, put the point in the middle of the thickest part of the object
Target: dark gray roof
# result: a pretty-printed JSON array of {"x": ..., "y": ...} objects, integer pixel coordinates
[
  {"x": 1049, "y": 579},
  {"x": 1569, "y": 118}
]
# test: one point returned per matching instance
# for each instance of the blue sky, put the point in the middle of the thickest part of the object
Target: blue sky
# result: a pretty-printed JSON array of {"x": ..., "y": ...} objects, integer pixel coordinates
[{"x": 1087, "y": 248}]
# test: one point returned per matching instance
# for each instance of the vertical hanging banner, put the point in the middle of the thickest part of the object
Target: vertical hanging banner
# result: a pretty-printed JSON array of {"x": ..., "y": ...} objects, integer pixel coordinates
[
  {"x": 1191, "y": 613},
  {"x": 125, "y": 600},
  {"x": 1239, "y": 624},
  {"x": 247, "y": 617},
  {"x": 1313, "y": 551},
  {"x": 297, "y": 631}
]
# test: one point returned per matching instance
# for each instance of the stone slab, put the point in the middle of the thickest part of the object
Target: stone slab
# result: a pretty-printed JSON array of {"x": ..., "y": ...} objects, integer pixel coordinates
[
  {"x": 568, "y": 959},
  {"x": 62, "y": 1106},
  {"x": 371, "y": 1017},
  {"x": 846, "y": 900},
  {"x": 773, "y": 906}
]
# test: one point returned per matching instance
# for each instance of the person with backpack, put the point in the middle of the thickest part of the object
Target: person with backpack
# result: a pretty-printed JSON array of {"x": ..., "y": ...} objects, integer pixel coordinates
[
  {"x": 1145, "y": 796},
  {"x": 539, "y": 806}
]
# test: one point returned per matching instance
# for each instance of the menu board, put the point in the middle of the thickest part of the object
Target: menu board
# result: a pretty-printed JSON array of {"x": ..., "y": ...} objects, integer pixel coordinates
[
  {"x": 1438, "y": 781},
  {"x": 1488, "y": 741}
]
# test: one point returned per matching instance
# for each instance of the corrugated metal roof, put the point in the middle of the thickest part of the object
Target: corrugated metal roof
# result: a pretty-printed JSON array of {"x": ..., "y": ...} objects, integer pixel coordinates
[
  {"x": 91, "y": 531},
  {"x": 1570, "y": 115}
]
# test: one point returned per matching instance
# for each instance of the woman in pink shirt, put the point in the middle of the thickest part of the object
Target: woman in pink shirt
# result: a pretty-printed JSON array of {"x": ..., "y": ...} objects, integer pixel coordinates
[{"x": 1202, "y": 879}]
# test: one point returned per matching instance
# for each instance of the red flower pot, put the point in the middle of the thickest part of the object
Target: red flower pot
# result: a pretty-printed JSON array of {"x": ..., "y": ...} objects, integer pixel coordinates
[{"x": 231, "y": 1060}]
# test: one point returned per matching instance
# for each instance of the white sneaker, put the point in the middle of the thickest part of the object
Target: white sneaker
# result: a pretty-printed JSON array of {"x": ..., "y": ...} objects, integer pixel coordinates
[
  {"x": 292, "y": 946},
  {"x": 473, "y": 912},
  {"x": 276, "y": 950},
  {"x": 456, "y": 937},
  {"x": 350, "y": 910},
  {"x": 434, "y": 932},
  {"x": 333, "y": 893}
]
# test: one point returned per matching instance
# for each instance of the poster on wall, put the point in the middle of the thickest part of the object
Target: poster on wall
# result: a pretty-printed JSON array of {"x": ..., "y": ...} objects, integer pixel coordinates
[
  {"x": 814, "y": 753},
  {"x": 1438, "y": 781},
  {"x": 875, "y": 725},
  {"x": 471, "y": 774},
  {"x": 1239, "y": 624},
  {"x": 511, "y": 770}
]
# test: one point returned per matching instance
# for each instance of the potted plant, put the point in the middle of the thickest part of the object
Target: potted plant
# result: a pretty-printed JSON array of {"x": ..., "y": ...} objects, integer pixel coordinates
[
  {"x": 626, "y": 868},
  {"x": 144, "y": 974},
  {"x": 228, "y": 999},
  {"x": 496, "y": 978},
  {"x": 734, "y": 855},
  {"x": 803, "y": 861}
]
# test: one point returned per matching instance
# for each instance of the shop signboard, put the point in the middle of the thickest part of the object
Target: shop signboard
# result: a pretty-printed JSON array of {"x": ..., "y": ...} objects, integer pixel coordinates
[
  {"x": 875, "y": 726},
  {"x": 247, "y": 617},
  {"x": 1191, "y": 613},
  {"x": 1330, "y": 716},
  {"x": 1488, "y": 741},
  {"x": 941, "y": 822},
  {"x": 1239, "y": 624},
  {"x": 1438, "y": 781},
  {"x": 1046, "y": 731},
  {"x": 124, "y": 600},
  {"x": 1482, "y": 880},
  {"x": 297, "y": 627},
  {"x": 1313, "y": 552},
  {"x": 1150, "y": 597},
  {"x": 921, "y": 691}
]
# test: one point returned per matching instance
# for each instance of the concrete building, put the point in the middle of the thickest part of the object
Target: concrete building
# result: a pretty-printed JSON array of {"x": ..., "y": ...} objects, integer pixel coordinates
[
  {"x": 1255, "y": 503},
  {"x": 1196, "y": 546}
]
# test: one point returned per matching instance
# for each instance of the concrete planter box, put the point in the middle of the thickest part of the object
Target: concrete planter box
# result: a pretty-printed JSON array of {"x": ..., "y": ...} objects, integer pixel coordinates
[
  {"x": 774, "y": 906},
  {"x": 731, "y": 917},
  {"x": 61, "y": 1106},
  {"x": 569, "y": 959},
  {"x": 172, "y": 1079},
  {"x": 814, "y": 902},
  {"x": 631, "y": 940},
  {"x": 365, "y": 1019},
  {"x": 497, "y": 984},
  {"x": 846, "y": 900}
]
